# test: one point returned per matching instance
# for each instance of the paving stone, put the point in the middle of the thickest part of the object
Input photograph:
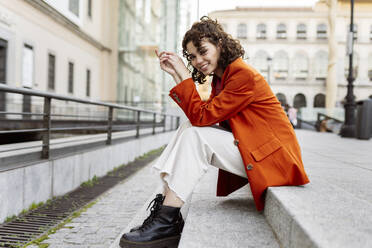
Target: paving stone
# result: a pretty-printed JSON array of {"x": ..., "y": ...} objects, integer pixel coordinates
[{"x": 103, "y": 222}]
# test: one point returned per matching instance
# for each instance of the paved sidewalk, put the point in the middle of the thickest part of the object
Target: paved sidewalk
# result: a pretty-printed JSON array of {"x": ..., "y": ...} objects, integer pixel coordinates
[
  {"x": 103, "y": 222},
  {"x": 334, "y": 210}
]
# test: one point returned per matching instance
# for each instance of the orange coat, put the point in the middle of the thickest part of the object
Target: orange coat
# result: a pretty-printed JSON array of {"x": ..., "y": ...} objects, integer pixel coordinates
[{"x": 262, "y": 131}]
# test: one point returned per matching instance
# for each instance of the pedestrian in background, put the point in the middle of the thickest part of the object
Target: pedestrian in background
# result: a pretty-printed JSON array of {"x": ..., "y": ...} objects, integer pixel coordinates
[{"x": 253, "y": 142}]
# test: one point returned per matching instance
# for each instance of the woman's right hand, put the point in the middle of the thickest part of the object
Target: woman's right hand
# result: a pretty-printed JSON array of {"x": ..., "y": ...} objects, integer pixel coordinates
[{"x": 166, "y": 66}]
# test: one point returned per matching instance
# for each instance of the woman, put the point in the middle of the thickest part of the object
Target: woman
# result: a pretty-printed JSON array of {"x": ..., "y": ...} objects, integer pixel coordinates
[{"x": 254, "y": 141}]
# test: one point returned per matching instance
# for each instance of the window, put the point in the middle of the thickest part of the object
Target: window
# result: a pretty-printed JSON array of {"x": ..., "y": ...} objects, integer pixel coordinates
[
  {"x": 260, "y": 63},
  {"x": 281, "y": 64},
  {"x": 281, "y": 98},
  {"x": 321, "y": 31},
  {"x": 261, "y": 31},
  {"x": 301, "y": 31},
  {"x": 89, "y": 8},
  {"x": 88, "y": 83},
  {"x": 28, "y": 66},
  {"x": 355, "y": 30},
  {"x": 281, "y": 31},
  {"x": 3, "y": 65},
  {"x": 70, "y": 77},
  {"x": 51, "y": 71},
  {"x": 73, "y": 6},
  {"x": 321, "y": 65},
  {"x": 300, "y": 66},
  {"x": 242, "y": 31},
  {"x": 299, "y": 101},
  {"x": 370, "y": 67},
  {"x": 319, "y": 101}
]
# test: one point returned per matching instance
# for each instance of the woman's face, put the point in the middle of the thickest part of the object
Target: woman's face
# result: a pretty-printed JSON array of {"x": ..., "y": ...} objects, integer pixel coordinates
[{"x": 205, "y": 60}]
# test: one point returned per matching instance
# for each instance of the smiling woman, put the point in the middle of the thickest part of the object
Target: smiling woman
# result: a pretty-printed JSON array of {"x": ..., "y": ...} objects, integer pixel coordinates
[{"x": 241, "y": 129}]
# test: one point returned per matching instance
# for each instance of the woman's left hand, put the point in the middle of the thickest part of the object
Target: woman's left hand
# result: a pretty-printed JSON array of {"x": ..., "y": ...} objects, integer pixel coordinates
[{"x": 177, "y": 64}]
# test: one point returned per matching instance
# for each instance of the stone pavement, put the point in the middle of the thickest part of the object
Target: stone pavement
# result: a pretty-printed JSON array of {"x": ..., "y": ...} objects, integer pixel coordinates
[
  {"x": 103, "y": 222},
  {"x": 334, "y": 210}
]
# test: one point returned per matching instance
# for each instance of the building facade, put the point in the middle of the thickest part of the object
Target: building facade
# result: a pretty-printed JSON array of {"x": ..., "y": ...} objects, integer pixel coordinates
[
  {"x": 67, "y": 47},
  {"x": 146, "y": 25},
  {"x": 289, "y": 46}
]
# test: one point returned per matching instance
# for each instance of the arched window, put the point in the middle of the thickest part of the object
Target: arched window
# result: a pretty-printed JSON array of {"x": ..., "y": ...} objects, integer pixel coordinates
[
  {"x": 299, "y": 101},
  {"x": 242, "y": 31},
  {"x": 321, "y": 65},
  {"x": 370, "y": 67},
  {"x": 282, "y": 99},
  {"x": 281, "y": 31},
  {"x": 300, "y": 65},
  {"x": 319, "y": 101},
  {"x": 355, "y": 65},
  {"x": 355, "y": 30},
  {"x": 301, "y": 31},
  {"x": 321, "y": 31},
  {"x": 261, "y": 31},
  {"x": 280, "y": 64},
  {"x": 260, "y": 62}
]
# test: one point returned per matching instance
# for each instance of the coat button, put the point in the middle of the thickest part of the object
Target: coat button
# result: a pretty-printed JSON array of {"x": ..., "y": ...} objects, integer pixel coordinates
[
  {"x": 249, "y": 166},
  {"x": 236, "y": 142}
]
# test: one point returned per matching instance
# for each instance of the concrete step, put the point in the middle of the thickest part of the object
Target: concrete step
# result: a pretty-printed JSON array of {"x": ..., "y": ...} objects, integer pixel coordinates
[
  {"x": 335, "y": 209},
  {"x": 231, "y": 221}
]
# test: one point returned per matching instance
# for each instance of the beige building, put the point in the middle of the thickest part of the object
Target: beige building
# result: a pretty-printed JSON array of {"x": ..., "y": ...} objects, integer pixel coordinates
[
  {"x": 289, "y": 46},
  {"x": 68, "y": 47}
]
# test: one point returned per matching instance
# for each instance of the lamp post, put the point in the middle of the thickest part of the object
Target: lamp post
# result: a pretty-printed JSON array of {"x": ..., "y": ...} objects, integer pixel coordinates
[
  {"x": 348, "y": 128},
  {"x": 269, "y": 60}
]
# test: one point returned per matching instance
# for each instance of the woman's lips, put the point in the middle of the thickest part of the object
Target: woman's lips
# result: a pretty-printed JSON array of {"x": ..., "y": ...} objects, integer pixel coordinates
[{"x": 204, "y": 67}]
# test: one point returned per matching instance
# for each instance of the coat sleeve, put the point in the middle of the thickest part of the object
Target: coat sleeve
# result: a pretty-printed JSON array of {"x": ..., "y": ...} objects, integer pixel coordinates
[{"x": 237, "y": 95}]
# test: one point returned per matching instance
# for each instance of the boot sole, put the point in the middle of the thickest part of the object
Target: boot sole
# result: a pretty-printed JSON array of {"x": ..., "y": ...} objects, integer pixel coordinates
[{"x": 170, "y": 242}]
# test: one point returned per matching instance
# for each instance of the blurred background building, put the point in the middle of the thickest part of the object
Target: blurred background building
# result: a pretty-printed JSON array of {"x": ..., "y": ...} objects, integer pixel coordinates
[
  {"x": 290, "y": 47},
  {"x": 67, "y": 47},
  {"x": 104, "y": 50},
  {"x": 98, "y": 50}
]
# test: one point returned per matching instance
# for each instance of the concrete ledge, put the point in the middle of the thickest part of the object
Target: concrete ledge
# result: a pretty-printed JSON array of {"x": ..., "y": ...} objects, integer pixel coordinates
[
  {"x": 48, "y": 178},
  {"x": 318, "y": 215},
  {"x": 231, "y": 221},
  {"x": 335, "y": 209}
]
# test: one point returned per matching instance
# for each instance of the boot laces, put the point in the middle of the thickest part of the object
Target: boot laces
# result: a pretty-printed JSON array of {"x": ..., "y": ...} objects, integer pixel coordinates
[{"x": 155, "y": 206}]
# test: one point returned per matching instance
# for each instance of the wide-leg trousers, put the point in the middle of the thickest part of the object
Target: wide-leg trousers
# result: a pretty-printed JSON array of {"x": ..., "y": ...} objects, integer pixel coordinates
[{"x": 189, "y": 153}]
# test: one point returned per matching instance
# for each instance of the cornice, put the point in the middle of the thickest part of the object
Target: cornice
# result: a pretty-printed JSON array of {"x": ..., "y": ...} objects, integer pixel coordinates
[{"x": 61, "y": 19}]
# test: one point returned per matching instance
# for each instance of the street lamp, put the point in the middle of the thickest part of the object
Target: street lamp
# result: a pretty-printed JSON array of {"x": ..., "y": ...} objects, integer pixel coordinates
[
  {"x": 269, "y": 60},
  {"x": 348, "y": 128}
]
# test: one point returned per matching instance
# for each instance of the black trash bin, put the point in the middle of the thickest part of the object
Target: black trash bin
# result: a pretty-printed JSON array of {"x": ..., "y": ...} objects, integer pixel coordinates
[{"x": 364, "y": 119}]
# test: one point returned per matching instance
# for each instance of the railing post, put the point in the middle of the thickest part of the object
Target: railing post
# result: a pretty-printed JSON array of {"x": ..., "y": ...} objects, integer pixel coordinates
[
  {"x": 109, "y": 128},
  {"x": 164, "y": 123},
  {"x": 178, "y": 122},
  {"x": 47, "y": 124},
  {"x": 154, "y": 124},
  {"x": 138, "y": 123}
]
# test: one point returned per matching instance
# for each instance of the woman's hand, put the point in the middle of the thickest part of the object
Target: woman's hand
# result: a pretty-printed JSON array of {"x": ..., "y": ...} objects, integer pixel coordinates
[
  {"x": 164, "y": 64},
  {"x": 173, "y": 64}
]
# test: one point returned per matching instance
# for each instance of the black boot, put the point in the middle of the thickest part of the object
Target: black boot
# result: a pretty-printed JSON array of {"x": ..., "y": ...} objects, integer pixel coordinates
[
  {"x": 163, "y": 230},
  {"x": 157, "y": 202}
]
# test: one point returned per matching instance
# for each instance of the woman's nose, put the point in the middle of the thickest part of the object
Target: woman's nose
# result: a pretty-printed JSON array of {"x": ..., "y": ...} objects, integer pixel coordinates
[{"x": 198, "y": 59}]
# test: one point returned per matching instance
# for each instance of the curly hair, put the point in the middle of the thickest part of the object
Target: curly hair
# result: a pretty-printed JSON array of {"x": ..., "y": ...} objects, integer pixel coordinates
[{"x": 211, "y": 30}]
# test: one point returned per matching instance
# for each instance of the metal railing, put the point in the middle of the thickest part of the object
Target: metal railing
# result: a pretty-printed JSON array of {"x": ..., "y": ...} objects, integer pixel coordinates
[{"x": 47, "y": 115}]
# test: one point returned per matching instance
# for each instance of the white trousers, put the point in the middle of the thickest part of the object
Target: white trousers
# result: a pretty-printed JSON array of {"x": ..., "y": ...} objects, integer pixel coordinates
[{"x": 187, "y": 156}]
